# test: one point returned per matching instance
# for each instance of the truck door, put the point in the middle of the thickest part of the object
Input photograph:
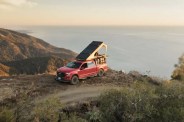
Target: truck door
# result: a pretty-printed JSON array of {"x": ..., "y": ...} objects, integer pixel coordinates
[
  {"x": 87, "y": 69},
  {"x": 83, "y": 71},
  {"x": 91, "y": 68}
]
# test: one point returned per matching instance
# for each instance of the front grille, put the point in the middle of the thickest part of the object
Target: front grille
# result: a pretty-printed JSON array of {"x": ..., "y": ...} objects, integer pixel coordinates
[{"x": 61, "y": 74}]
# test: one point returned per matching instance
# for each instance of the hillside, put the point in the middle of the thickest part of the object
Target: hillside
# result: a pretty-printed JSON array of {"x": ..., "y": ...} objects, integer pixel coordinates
[
  {"x": 4, "y": 70},
  {"x": 34, "y": 65},
  {"x": 17, "y": 46},
  {"x": 24, "y": 54}
]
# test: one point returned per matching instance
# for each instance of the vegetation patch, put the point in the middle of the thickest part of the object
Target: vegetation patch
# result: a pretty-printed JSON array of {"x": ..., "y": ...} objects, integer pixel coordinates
[
  {"x": 141, "y": 101},
  {"x": 178, "y": 73}
]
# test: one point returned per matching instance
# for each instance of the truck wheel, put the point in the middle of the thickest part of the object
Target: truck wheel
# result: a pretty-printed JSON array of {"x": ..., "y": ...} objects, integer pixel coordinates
[
  {"x": 74, "y": 80},
  {"x": 100, "y": 73}
]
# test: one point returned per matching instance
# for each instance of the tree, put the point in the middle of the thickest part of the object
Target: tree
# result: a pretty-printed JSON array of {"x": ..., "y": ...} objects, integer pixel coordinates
[{"x": 178, "y": 73}]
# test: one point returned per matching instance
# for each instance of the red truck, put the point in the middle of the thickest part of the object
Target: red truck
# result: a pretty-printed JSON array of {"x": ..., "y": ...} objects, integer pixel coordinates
[
  {"x": 88, "y": 63},
  {"x": 76, "y": 70}
]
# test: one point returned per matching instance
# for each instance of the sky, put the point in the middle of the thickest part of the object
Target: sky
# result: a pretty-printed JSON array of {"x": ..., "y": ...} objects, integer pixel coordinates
[{"x": 92, "y": 12}]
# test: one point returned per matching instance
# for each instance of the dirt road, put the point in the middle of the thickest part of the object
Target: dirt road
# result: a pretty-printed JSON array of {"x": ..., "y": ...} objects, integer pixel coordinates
[
  {"x": 82, "y": 93},
  {"x": 44, "y": 85}
]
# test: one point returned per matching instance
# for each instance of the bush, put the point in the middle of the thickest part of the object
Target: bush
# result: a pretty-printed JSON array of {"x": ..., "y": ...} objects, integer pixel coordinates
[
  {"x": 143, "y": 102},
  {"x": 93, "y": 116},
  {"x": 47, "y": 111},
  {"x": 6, "y": 114},
  {"x": 170, "y": 102},
  {"x": 127, "y": 104},
  {"x": 178, "y": 73},
  {"x": 72, "y": 118}
]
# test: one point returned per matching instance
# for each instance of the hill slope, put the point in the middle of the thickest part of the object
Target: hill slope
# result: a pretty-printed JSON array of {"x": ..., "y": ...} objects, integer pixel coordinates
[
  {"x": 24, "y": 54},
  {"x": 4, "y": 70},
  {"x": 34, "y": 65},
  {"x": 17, "y": 46}
]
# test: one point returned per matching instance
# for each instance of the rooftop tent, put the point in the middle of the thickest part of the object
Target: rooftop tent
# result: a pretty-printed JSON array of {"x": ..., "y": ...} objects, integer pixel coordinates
[{"x": 91, "y": 50}]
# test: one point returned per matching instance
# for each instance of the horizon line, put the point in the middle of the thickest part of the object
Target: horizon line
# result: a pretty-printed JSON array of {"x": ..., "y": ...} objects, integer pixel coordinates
[{"x": 94, "y": 25}]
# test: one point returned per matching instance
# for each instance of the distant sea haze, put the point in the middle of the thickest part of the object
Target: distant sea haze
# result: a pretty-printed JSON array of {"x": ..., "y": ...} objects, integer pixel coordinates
[{"x": 149, "y": 50}]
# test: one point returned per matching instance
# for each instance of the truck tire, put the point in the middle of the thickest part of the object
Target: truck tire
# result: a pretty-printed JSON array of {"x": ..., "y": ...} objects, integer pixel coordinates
[
  {"x": 74, "y": 80},
  {"x": 100, "y": 73}
]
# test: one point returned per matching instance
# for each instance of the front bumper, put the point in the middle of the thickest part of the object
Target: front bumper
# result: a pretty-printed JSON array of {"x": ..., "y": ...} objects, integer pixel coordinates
[
  {"x": 57, "y": 78},
  {"x": 62, "y": 77}
]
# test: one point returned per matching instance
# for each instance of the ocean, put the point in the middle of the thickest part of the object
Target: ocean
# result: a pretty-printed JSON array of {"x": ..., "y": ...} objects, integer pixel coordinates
[{"x": 149, "y": 50}]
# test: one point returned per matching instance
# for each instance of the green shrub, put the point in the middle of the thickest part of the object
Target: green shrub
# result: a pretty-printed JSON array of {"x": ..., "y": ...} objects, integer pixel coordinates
[
  {"x": 170, "y": 103},
  {"x": 178, "y": 73},
  {"x": 128, "y": 104},
  {"x": 144, "y": 102},
  {"x": 6, "y": 114},
  {"x": 47, "y": 111},
  {"x": 72, "y": 118},
  {"x": 94, "y": 116}
]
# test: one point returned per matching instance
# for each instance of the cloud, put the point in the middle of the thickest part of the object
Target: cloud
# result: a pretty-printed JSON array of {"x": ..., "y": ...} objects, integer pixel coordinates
[{"x": 8, "y": 4}]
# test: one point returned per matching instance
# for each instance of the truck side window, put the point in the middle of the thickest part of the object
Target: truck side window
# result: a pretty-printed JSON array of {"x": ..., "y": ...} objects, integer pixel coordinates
[
  {"x": 91, "y": 64},
  {"x": 84, "y": 66}
]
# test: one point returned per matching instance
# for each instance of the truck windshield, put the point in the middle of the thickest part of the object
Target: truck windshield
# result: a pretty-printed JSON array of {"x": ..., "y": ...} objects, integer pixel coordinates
[{"x": 73, "y": 65}]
